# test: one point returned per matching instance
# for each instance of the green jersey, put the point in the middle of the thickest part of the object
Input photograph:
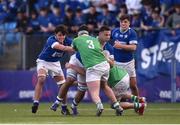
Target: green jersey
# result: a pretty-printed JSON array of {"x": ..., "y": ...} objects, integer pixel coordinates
[
  {"x": 115, "y": 75},
  {"x": 89, "y": 49}
]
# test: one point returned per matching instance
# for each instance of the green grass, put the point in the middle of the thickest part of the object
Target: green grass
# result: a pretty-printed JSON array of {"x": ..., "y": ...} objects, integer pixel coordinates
[{"x": 155, "y": 114}]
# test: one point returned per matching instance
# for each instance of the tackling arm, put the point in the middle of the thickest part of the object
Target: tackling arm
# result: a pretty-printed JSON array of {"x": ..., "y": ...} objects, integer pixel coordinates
[
  {"x": 78, "y": 69},
  {"x": 63, "y": 48}
]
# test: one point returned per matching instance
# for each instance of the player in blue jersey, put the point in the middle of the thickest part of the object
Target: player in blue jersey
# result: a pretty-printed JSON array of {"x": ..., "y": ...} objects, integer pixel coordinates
[
  {"x": 125, "y": 42},
  {"x": 48, "y": 61}
]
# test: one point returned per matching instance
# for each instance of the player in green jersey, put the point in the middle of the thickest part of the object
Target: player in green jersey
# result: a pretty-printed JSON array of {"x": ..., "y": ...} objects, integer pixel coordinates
[
  {"x": 119, "y": 82},
  {"x": 96, "y": 66}
]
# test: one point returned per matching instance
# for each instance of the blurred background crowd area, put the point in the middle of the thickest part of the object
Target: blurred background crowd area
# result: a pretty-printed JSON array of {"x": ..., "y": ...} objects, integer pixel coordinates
[
  {"x": 26, "y": 24},
  {"x": 42, "y": 16}
]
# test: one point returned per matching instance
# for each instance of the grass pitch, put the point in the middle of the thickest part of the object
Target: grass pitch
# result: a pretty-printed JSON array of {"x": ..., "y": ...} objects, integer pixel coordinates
[{"x": 159, "y": 113}]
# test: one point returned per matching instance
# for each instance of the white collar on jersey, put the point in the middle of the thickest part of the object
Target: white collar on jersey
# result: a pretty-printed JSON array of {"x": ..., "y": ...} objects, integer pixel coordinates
[
  {"x": 83, "y": 32},
  {"x": 123, "y": 31}
]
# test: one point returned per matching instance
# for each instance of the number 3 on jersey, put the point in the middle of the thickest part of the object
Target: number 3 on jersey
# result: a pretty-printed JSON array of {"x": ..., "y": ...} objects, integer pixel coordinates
[{"x": 90, "y": 44}]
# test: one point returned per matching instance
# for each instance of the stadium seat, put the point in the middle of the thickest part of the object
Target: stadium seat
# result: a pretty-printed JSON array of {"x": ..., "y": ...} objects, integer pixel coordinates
[
  {"x": 1, "y": 28},
  {"x": 9, "y": 26},
  {"x": 11, "y": 37}
]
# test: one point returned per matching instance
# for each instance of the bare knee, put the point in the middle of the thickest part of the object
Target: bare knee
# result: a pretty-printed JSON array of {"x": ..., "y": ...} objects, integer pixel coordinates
[{"x": 41, "y": 81}]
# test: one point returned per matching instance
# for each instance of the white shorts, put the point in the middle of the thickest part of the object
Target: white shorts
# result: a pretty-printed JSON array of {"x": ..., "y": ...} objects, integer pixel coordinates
[
  {"x": 81, "y": 78},
  {"x": 51, "y": 68},
  {"x": 98, "y": 72},
  {"x": 128, "y": 66},
  {"x": 70, "y": 72},
  {"x": 121, "y": 87}
]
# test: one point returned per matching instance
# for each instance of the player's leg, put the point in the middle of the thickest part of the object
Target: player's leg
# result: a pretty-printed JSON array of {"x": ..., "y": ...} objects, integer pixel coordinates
[
  {"x": 82, "y": 87},
  {"x": 93, "y": 77},
  {"x": 127, "y": 105},
  {"x": 38, "y": 89},
  {"x": 59, "y": 80},
  {"x": 61, "y": 98},
  {"x": 58, "y": 76},
  {"x": 134, "y": 98},
  {"x": 63, "y": 89},
  {"x": 110, "y": 94},
  {"x": 94, "y": 88},
  {"x": 140, "y": 107},
  {"x": 77, "y": 99},
  {"x": 93, "y": 83},
  {"x": 133, "y": 86},
  {"x": 130, "y": 67},
  {"x": 63, "y": 94},
  {"x": 139, "y": 103}
]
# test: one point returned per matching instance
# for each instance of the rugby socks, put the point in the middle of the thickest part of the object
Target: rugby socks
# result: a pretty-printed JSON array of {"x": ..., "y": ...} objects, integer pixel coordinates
[
  {"x": 99, "y": 105},
  {"x": 63, "y": 106},
  {"x": 36, "y": 102},
  {"x": 115, "y": 105},
  {"x": 134, "y": 98},
  {"x": 74, "y": 104},
  {"x": 58, "y": 100},
  {"x": 137, "y": 105}
]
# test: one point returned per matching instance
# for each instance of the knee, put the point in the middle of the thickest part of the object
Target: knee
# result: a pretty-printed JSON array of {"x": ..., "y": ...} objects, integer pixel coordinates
[
  {"x": 41, "y": 80},
  {"x": 68, "y": 83}
]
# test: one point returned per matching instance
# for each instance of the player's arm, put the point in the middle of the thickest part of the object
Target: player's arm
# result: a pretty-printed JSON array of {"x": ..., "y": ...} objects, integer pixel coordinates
[
  {"x": 109, "y": 58},
  {"x": 130, "y": 47},
  {"x": 58, "y": 46},
  {"x": 132, "y": 42},
  {"x": 78, "y": 69},
  {"x": 111, "y": 62}
]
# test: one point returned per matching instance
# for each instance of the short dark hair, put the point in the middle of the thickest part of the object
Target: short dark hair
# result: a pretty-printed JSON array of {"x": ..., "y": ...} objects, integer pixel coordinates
[
  {"x": 83, "y": 27},
  {"x": 62, "y": 29},
  {"x": 104, "y": 6},
  {"x": 123, "y": 17},
  {"x": 104, "y": 28},
  {"x": 78, "y": 10}
]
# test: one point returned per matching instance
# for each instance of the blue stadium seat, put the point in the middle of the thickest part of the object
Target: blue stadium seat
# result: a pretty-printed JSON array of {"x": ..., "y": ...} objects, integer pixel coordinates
[
  {"x": 1, "y": 28},
  {"x": 11, "y": 37},
  {"x": 10, "y": 26}
]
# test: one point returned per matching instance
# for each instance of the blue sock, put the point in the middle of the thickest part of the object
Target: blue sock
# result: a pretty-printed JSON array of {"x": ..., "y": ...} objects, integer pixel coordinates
[
  {"x": 35, "y": 102},
  {"x": 58, "y": 100},
  {"x": 63, "y": 106},
  {"x": 74, "y": 103}
]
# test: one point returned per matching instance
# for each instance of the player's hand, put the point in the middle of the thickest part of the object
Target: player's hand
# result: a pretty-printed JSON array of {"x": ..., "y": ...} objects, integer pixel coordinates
[
  {"x": 117, "y": 44},
  {"x": 68, "y": 65}
]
